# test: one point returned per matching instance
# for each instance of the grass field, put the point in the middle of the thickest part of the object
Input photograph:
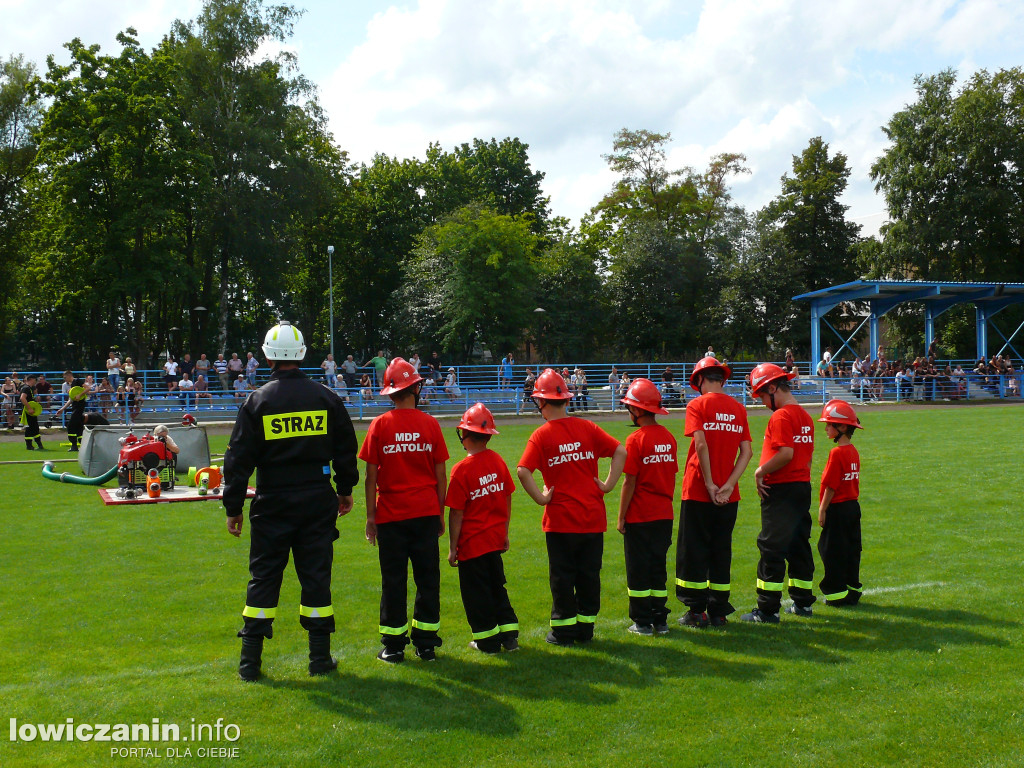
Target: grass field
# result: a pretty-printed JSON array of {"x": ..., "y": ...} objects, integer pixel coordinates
[{"x": 122, "y": 615}]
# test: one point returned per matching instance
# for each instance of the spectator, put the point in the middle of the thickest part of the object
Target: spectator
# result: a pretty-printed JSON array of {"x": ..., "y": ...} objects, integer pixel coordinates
[
  {"x": 185, "y": 394},
  {"x": 1012, "y": 382},
  {"x": 425, "y": 389},
  {"x": 348, "y": 373},
  {"x": 919, "y": 381},
  {"x": 528, "y": 383},
  {"x": 904, "y": 385},
  {"x": 106, "y": 395},
  {"x": 9, "y": 392},
  {"x": 202, "y": 368},
  {"x": 121, "y": 402},
  {"x": 128, "y": 369},
  {"x": 789, "y": 359},
  {"x": 435, "y": 366},
  {"x": 960, "y": 380},
  {"x": 933, "y": 348},
  {"x": 582, "y": 390},
  {"x": 240, "y": 387},
  {"x": 113, "y": 370},
  {"x": 220, "y": 366},
  {"x": 171, "y": 374},
  {"x": 366, "y": 387},
  {"x": 202, "y": 388},
  {"x": 415, "y": 361},
  {"x": 379, "y": 364},
  {"x": 505, "y": 372},
  {"x": 187, "y": 366},
  {"x": 570, "y": 380},
  {"x": 235, "y": 366},
  {"x": 251, "y": 364},
  {"x": 624, "y": 382},
  {"x": 613, "y": 378},
  {"x": 821, "y": 369},
  {"x": 139, "y": 399},
  {"x": 330, "y": 371},
  {"x": 710, "y": 352},
  {"x": 669, "y": 388},
  {"x": 44, "y": 391},
  {"x": 794, "y": 383},
  {"x": 451, "y": 385}
]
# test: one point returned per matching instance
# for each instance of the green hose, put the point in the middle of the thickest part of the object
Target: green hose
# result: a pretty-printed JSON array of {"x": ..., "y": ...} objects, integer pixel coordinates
[{"x": 66, "y": 477}]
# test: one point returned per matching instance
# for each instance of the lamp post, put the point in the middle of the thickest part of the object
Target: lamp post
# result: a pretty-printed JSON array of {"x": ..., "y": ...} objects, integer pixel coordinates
[
  {"x": 539, "y": 312},
  {"x": 330, "y": 293},
  {"x": 199, "y": 312}
]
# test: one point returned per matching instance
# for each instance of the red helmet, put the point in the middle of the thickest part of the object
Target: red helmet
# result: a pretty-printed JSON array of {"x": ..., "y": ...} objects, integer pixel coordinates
[
  {"x": 188, "y": 420},
  {"x": 478, "y": 419},
  {"x": 399, "y": 375},
  {"x": 707, "y": 364},
  {"x": 764, "y": 374},
  {"x": 644, "y": 395},
  {"x": 551, "y": 386},
  {"x": 840, "y": 412}
]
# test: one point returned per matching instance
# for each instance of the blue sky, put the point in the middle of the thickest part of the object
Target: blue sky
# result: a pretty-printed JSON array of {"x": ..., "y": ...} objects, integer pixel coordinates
[{"x": 760, "y": 77}]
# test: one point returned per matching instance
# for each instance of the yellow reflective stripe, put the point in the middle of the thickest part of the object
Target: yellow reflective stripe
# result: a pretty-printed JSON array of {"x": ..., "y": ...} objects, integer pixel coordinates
[
  {"x": 837, "y": 595},
  {"x": 508, "y": 627},
  {"x": 770, "y": 586},
  {"x": 801, "y": 583},
  {"x": 563, "y": 622},
  {"x": 488, "y": 633},
  {"x": 296, "y": 332},
  {"x": 659, "y": 593},
  {"x": 426, "y": 627},
  {"x": 274, "y": 332},
  {"x": 326, "y": 610},
  {"x": 720, "y": 587},
  {"x": 692, "y": 584},
  {"x": 259, "y": 613},
  {"x": 856, "y": 589},
  {"x": 638, "y": 592},
  {"x": 393, "y": 630},
  {"x": 277, "y": 426},
  {"x": 586, "y": 619}
]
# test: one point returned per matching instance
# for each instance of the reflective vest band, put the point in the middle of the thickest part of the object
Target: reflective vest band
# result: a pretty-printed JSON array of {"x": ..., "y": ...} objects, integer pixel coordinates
[
  {"x": 692, "y": 584},
  {"x": 485, "y": 634},
  {"x": 279, "y": 426},
  {"x": 316, "y": 613},
  {"x": 563, "y": 622},
  {"x": 800, "y": 583},
  {"x": 858, "y": 590},
  {"x": 393, "y": 630},
  {"x": 659, "y": 593},
  {"x": 508, "y": 627},
  {"x": 426, "y": 627},
  {"x": 770, "y": 586},
  {"x": 586, "y": 619},
  {"x": 638, "y": 592},
  {"x": 837, "y": 595},
  {"x": 251, "y": 612}
]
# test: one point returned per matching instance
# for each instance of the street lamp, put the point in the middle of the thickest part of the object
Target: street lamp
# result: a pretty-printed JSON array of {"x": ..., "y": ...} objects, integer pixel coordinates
[
  {"x": 539, "y": 312},
  {"x": 330, "y": 291}
]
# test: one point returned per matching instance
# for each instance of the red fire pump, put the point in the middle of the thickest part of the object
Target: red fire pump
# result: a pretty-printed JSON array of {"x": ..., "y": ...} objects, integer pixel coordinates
[{"x": 137, "y": 459}]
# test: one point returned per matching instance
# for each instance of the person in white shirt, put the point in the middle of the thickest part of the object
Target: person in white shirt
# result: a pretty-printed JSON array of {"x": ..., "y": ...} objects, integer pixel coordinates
[
  {"x": 331, "y": 371},
  {"x": 171, "y": 374},
  {"x": 185, "y": 394},
  {"x": 451, "y": 385}
]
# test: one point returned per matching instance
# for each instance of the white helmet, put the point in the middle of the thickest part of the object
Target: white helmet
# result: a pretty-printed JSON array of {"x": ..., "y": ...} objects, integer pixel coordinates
[{"x": 284, "y": 342}]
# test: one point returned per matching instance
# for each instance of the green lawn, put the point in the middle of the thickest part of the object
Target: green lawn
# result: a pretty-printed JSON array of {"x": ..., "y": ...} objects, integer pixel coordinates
[{"x": 125, "y": 614}]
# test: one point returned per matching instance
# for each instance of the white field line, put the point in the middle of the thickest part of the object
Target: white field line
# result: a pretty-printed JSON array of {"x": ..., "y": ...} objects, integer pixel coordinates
[{"x": 904, "y": 587}]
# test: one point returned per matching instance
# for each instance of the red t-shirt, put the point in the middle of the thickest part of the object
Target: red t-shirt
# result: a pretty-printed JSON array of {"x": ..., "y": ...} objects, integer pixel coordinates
[
  {"x": 723, "y": 420},
  {"x": 405, "y": 444},
  {"x": 842, "y": 474},
  {"x": 566, "y": 453},
  {"x": 651, "y": 458},
  {"x": 790, "y": 426},
  {"x": 480, "y": 486}
]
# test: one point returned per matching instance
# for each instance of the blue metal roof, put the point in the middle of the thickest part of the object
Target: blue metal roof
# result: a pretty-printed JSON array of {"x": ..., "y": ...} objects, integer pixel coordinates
[{"x": 913, "y": 290}]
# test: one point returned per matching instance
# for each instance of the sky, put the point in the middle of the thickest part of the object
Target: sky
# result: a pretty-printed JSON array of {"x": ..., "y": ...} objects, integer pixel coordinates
[{"x": 758, "y": 77}]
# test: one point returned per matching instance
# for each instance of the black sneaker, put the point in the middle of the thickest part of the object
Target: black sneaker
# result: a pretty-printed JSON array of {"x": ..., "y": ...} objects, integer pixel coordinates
[
  {"x": 475, "y": 647},
  {"x": 391, "y": 657},
  {"x": 661, "y": 629},
  {"x": 553, "y": 639},
  {"x": 757, "y": 616},
  {"x": 719, "y": 621},
  {"x": 696, "y": 620},
  {"x": 641, "y": 629},
  {"x": 796, "y": 610},
  {"x": 426, "y": 654},
  {"x": 510, "y": 645}
]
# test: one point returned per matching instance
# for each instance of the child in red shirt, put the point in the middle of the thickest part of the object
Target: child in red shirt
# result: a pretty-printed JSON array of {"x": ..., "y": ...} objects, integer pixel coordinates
[
  {"x": 645, "y": 509},
  {"x": 839, "y": 508},
  {"x": 718, "y": 455},
  {"x": 566, "y": 449},
  {"x": 405, "y": 459},
  {"x": 480, "y": 499}
]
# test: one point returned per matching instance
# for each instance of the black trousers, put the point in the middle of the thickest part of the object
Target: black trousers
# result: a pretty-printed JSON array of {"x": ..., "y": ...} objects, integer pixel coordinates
[
  {"x": 488, "y": 609},
  {"x": 574, "y": 573},
  {"x": 302, "y": 523},
  {"x": 840, "y": 547},
  {"x": 398, "y": 544},
  {"x": 75, "y": 426},
  {"x": 31, "y": 427},
  {"x": 704, "y": 556},
  {"x": 785, "y": 538},
  {"x": 646, "y": 547}
]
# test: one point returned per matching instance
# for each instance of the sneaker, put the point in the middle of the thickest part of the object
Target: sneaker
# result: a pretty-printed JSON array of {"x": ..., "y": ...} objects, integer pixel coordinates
[
  {"x": 475, "y": 647},
  {"x": 796, "y": 610},
  {"x": 555, "y": 640},
  {"x": 719, "y": 621},
  {"x": 510, "y": 645},
  {"x": 691, "y": 619},
  {"x": 391, "y": 657},
  {"x": 661, "y": 629},
  {"x": 759, "y": 617},
  {"x": 426, "y": 654},
  {"x": 642, "y": 629}
]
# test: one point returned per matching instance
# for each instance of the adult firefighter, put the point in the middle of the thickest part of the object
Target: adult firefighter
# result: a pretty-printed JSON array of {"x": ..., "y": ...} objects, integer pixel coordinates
[
  {"x": 291, "y": 431},
  {"x": 784, "y": 483}
]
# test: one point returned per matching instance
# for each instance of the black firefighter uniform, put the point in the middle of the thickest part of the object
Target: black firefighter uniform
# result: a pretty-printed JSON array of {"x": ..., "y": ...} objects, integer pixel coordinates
[{"x": 291, "y": 431}]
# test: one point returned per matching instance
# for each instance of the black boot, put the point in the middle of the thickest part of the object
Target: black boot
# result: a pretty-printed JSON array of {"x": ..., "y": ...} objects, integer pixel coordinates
[
  {"x": 28, "y": 444},
  {"x": 320, "y": 660},
  {"x": 39, "y": 443},
  {"x": 252, "y": 652}
]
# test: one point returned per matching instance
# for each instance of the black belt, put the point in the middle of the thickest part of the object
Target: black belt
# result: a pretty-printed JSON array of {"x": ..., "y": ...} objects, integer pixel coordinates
[{"x": 287, "y": 475}]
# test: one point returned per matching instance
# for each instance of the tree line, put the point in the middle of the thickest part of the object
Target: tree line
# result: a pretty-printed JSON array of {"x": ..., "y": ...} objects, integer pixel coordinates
[{"x": 184, "y": 198}]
